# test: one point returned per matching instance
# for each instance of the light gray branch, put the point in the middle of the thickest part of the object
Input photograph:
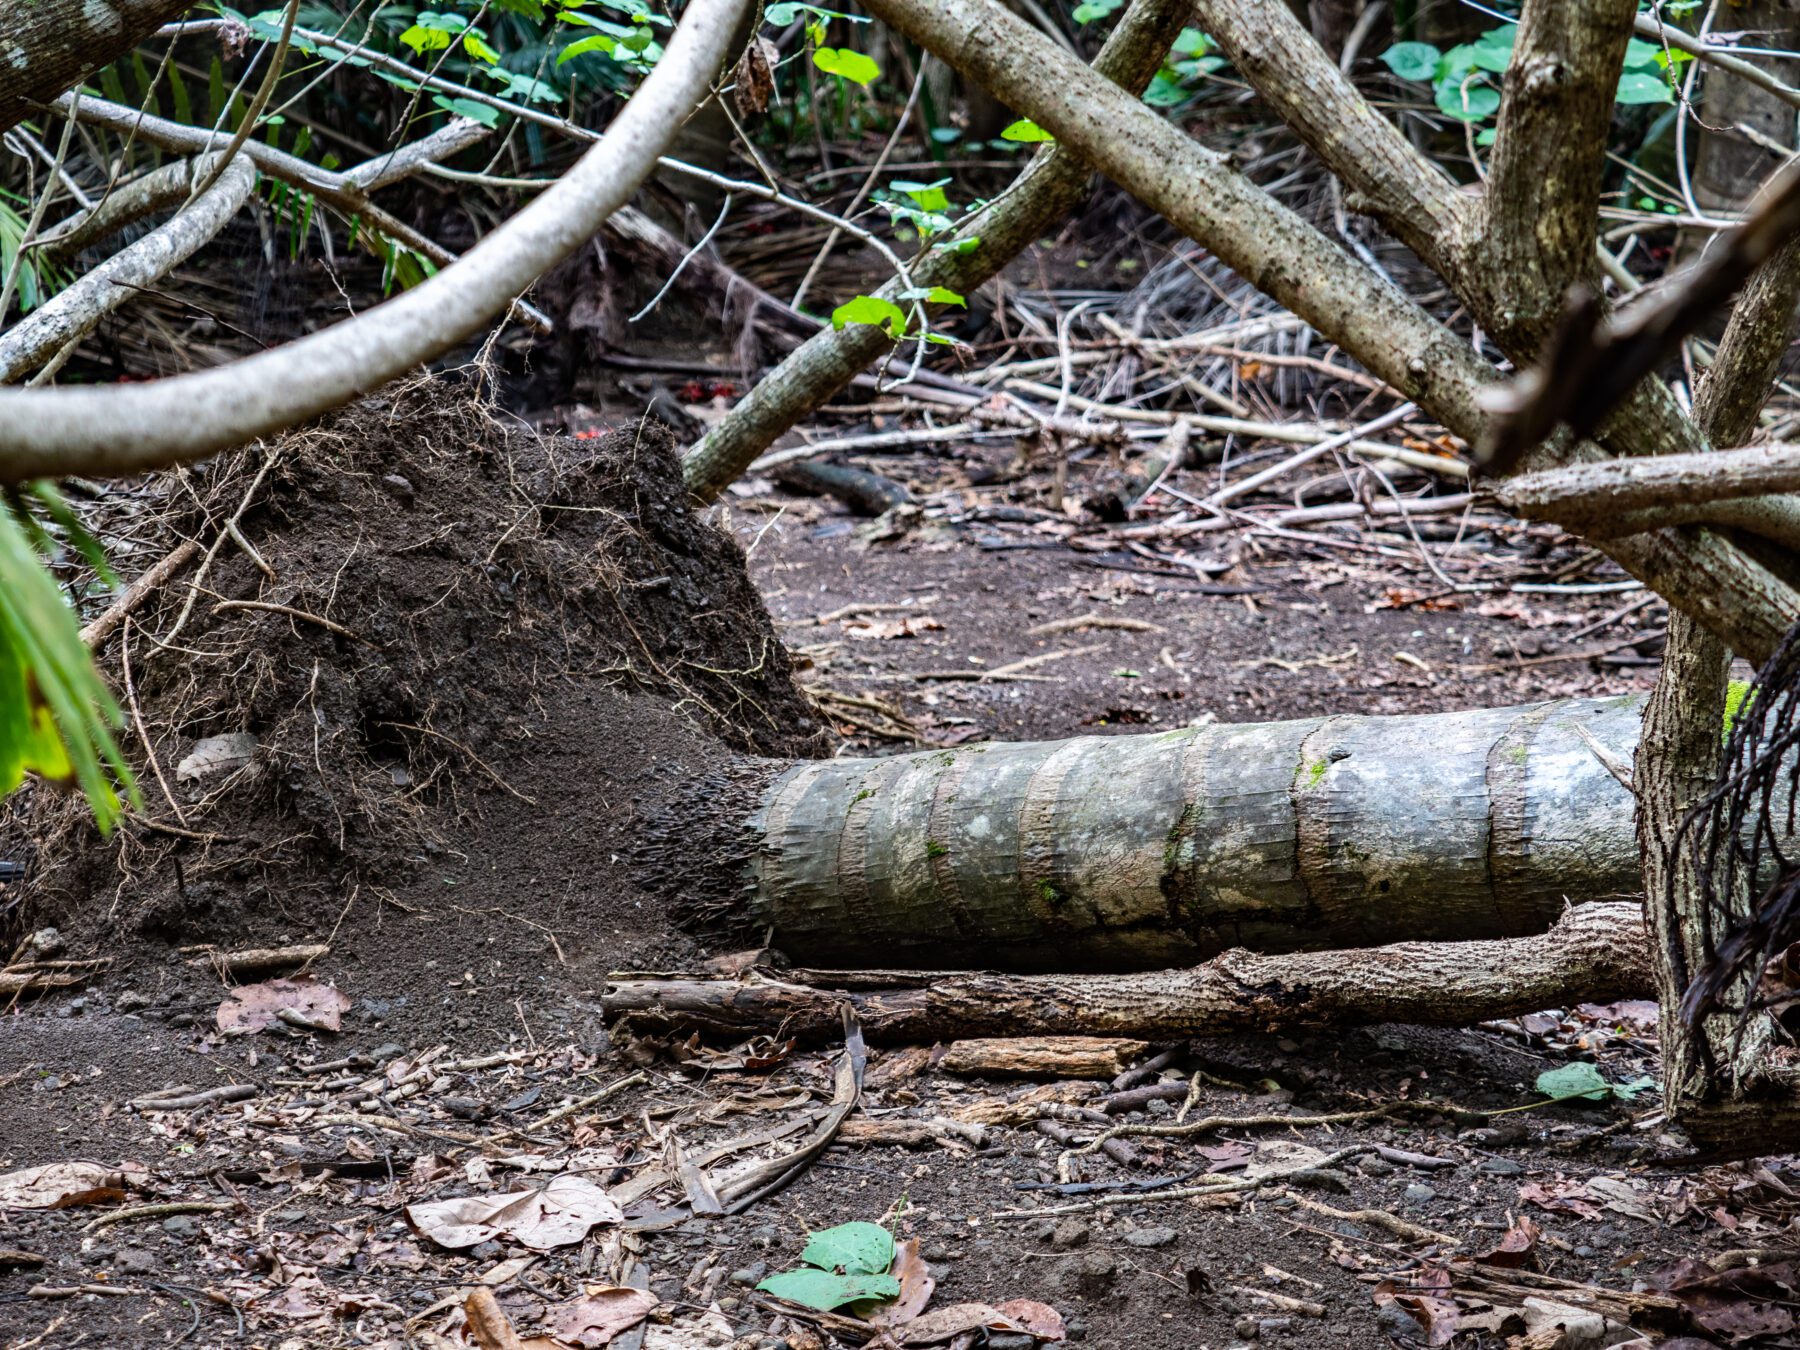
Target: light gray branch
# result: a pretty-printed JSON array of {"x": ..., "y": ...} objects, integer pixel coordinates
[
  {"x": 77, "y": 310},
  {"x": 1588, "y": 492},
  {"x": 128, "y": 428}
]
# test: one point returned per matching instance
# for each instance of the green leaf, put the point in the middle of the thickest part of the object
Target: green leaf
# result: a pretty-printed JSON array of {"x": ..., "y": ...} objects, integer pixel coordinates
[
  {"x": 1471, "y": 103},
  {"x": 781, "y": 15},
  {"x": 846, "y": 63},
  {"x": 599, "y": 42},
  {"x": 926, "y": 196},
  {"x": 1165, "y": 91},
  {"x": 854, "y": 1248},
  {"x": 872, "y": 310},
  {"x": 1492, "y": 51},
  {"x": 823, "y": 1290},
  {"x": 1027, "y": 132},
  {"x": 934, "y": 295},
  {"x": 1641, "y": 55},
  {"x": 469, "y": 108},
  {"x": 422, "y": 39},
  {"x": 1191, "y": 42},
  {"x": 1090, "y": 10},
  {"x": 1577, "y": 1081},
  {"x": 475, "y": 47},
  {"x": 968, "y": 245},
  {"x": 1412, "y": 60},
  {"x": 1635, "y": 86}
]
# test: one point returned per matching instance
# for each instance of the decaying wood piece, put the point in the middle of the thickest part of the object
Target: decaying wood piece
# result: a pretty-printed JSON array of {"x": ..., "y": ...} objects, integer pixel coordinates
[
  {"x": 1058, "y": 1057},
  {"x": 1596, "y": 953},
  {"x": 1139, "y": 852}
]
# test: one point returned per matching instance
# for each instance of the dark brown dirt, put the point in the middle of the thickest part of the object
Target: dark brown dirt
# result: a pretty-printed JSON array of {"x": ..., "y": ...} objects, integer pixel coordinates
[{"x": 528, "y": 634}]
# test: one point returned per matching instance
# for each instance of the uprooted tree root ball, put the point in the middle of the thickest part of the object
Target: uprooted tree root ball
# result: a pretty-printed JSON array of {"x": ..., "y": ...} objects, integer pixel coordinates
[{"x": 408, "y": 594}]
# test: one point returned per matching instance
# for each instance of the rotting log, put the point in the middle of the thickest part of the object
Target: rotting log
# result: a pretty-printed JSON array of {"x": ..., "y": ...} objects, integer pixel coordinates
[
  {"x": 1139, "y": 852},
  {"x": 1594, "y": 954}
]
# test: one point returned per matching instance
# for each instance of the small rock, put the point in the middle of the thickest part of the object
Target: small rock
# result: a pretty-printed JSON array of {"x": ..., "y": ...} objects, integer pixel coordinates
[
  {"x": 1159, "y": 1107},
  {"x": 1397, "y": 1323},
  {"x": 45, "y": 942},
  {"x": 1372, "y": 1166},
  {"x": 401, "y": 487},
  {"x": 1501, "y": 1167},
  {"x": 487, "y": 1251},
  {"x": 1246, "y": 1328},
  {"x": 1069, "y": 1234},
  {"x": 669, "y": 1291},
  {"x": 1089, "y": 1275},
  {"x": 1150, "y": 1237},
  {"x": 130, "y": 1001},
  {"x": 179, "y": 1225},
  {"x": 1075, "y": 1329},
  {"x": 1418, "y": 1194},
  {"x": 750, "y": 1275},
  {"x": 134, "y": 1261},
  {"x": 936, "y": 1250},
  {"x": 1323, "y": 1179},
  {"x": 1010, "y": 1340},
  {"x": 182, "y": 1019},
  {"x": 464, "y": 1108},
  {"x": 1274, "y": 1326}
]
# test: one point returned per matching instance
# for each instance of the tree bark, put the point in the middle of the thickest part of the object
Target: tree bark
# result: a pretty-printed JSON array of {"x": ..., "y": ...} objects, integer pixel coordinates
[
  {"x": 49, "y": 46},
  {"x": 1728, "y": 165},
  {"x": 1596, "y": 954},
  {"x": 1133, "y": 852}
]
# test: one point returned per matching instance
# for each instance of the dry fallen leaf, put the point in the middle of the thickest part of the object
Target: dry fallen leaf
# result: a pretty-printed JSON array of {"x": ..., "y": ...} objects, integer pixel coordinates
[
  {"x": 916, "y": 1284},
  {"x": 559, "y": 1214},
  {"x": 60, "y": 1185},
  {"x": 946, "y": 1324},
  {"x": 880, "y": 629},
  {"x": 595, "y": 1318},
  {"x": 216, "y": 754},
  {"x": 253, "y": 1007},
  {"x": 1040, "y": 1319}
]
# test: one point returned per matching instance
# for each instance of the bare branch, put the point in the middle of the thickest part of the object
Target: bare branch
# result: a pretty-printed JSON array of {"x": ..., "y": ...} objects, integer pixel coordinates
[
  {"x": 1589, "y": 492},
  {"x": 74, "y": 312},
  {"x": 1048, "y": 189},
  {"x": 47, "y": 433}
]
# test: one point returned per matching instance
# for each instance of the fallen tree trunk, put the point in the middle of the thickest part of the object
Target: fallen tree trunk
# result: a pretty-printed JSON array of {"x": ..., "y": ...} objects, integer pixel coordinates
[
  {"x": 1138, "y": 852},
  {"x": 1594, "y": 954}
]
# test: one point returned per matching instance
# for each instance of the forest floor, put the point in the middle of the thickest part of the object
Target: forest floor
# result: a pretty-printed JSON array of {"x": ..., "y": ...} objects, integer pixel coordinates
[{"x": 465, "y": 1051}]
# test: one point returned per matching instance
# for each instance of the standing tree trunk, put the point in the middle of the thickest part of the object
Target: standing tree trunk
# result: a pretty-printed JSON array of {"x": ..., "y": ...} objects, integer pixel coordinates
[{"x": 1728, "y": 165}]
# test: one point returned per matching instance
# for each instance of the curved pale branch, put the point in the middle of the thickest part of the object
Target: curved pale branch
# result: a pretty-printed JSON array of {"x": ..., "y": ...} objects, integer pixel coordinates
[
  {"x": 126, "y": 428},
  {"x": 158, "y": 190},
  {"x": 77, "y": 310},
  {"x": 347, "y": 192},
  {"x": 1593, "y": 492}
]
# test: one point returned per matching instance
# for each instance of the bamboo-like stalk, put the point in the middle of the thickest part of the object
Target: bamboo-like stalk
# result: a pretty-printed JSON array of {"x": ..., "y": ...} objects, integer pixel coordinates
[{"x": 1132, "y": 852}]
